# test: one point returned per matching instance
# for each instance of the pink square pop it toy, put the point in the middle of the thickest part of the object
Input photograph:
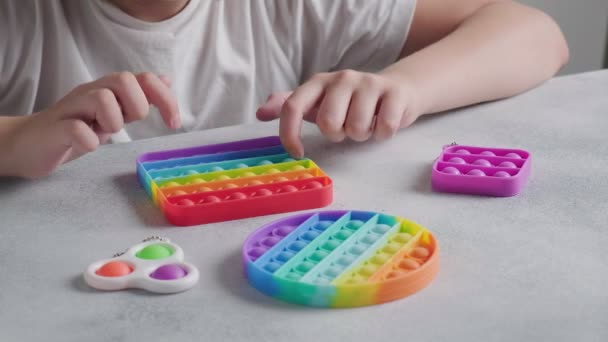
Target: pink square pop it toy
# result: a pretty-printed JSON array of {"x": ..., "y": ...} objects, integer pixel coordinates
[{"x": 481, "y": 170}]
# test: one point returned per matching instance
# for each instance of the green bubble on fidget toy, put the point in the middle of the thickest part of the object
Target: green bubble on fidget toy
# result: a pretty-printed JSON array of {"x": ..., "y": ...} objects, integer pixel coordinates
[{"x": 154, "y": 252}]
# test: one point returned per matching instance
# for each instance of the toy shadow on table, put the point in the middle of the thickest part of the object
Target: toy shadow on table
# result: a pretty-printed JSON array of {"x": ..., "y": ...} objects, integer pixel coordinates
[{"x": 138, "y": 199}]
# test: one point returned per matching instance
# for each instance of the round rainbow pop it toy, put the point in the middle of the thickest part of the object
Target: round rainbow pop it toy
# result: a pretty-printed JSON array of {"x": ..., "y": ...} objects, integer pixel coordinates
[
  {"x": 155, "y": 265},
  {"x": 340, "y": 258}
]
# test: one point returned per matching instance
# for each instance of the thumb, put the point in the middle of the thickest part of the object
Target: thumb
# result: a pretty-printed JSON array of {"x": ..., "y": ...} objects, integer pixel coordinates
[{"x": 272, "y": 108}]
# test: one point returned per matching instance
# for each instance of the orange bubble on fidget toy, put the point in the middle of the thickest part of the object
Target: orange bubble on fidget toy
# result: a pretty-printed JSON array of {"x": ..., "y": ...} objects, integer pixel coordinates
[{"x": 114, "y": 269}]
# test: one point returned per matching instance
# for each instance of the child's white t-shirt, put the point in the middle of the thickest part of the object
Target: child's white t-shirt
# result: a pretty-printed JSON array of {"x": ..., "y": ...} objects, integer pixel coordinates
[{"x": 224, "y": 57}]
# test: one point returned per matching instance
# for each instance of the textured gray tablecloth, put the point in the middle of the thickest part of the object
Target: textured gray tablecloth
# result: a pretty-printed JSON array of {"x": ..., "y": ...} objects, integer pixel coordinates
[{"x": 529, "y": 268}]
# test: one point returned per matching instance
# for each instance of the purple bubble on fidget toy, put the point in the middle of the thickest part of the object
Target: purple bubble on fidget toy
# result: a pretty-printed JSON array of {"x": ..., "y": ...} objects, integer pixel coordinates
[
  {"x": 451, "y": 170},
  {"x": 169, "y": 272},
  {"x": 482, "y": 162},
  {"x": 476, "y": 172}
]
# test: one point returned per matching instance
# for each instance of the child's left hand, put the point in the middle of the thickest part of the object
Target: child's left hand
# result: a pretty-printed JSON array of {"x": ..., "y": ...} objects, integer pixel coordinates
[{"x": 343, "y": 104}]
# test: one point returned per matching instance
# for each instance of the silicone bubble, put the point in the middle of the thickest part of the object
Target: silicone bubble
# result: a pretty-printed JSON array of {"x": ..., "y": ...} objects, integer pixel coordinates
[
  {"x": 169, "y": 272},
  {"x": 476, "y": 172},
  {"x": 457, "y": 160},
  {"x": 114, "y": 269},
  {"x": 451, "y": 170},
  {"x": 482, "y": 162}
]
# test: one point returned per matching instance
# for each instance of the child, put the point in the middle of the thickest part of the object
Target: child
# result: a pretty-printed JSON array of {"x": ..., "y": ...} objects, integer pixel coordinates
[{"x": 88, "y": 71}]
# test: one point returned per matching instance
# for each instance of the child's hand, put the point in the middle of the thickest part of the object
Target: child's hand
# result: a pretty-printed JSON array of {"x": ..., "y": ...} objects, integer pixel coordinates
[
  {"x": 343, "y": 104},
  {"x": 85, "y": 118}
]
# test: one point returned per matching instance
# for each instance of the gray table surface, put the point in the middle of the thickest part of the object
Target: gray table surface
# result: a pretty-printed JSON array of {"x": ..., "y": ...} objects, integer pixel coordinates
[{"x": 533, "y": 267}]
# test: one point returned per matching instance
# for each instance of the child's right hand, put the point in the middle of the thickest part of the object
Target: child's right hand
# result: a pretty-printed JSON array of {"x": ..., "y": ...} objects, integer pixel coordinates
[{"x": 84, "y": 119}]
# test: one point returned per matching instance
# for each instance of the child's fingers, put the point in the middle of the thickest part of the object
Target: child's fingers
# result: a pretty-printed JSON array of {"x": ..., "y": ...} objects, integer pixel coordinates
[
  {"x": 361, "y": 113},
  {"x": 332, "y": 112},
  {"x": 272, "y": 108},
  {"x": 389, "y": 116},
  {"x": 159, "y": 95},
  {"x": 166, "y": 80},
  {"x": 130, "y": 95},
  {"x": 78, "y": 135},
  {"x": 301, "y": 102},
  {"x": 98, "y": 105}
]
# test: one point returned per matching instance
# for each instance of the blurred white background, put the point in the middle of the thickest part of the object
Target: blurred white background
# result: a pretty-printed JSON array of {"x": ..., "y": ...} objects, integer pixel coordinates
[{"x": 585, "y": 24}]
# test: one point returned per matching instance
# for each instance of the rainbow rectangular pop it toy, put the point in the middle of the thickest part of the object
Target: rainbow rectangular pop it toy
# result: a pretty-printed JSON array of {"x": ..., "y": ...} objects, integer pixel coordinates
[
  {"x": 340, "y": 258},
  {"x": 231, "y": 181},
  {"x": 481, "y": 171}
]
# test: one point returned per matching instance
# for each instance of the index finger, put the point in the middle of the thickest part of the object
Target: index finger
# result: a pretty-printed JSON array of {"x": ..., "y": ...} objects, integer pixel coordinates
[
  {"x": 159, "y": 94},
  {"x": 302, "y": 101}
]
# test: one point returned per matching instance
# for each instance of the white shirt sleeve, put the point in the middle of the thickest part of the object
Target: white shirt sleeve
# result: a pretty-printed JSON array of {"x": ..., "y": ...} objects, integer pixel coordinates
[
  {"x": 321, "y": 35},
  {"x": 20, "y": 55}
]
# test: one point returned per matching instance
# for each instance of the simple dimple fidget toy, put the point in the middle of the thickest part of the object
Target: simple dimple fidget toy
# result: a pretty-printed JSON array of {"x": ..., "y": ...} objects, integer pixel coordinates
[
  {"x": 232, "y": 181},
  {"x": 340, "y": 258},
  {"x": 481, "y": 170},
  {"x": 155, "y": 265}
]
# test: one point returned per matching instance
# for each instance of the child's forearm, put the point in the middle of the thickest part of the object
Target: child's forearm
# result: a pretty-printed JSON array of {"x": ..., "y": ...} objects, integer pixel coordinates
[
  {"x": 501, "y": 50},
  {"x": 8, "y": 129}
]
